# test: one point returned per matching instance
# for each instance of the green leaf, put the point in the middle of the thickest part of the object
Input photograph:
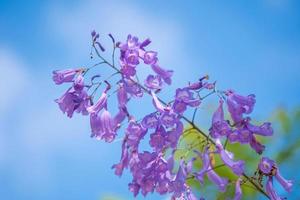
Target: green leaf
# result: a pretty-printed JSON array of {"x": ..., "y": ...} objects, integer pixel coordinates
[{"x": 284, "y": 120}]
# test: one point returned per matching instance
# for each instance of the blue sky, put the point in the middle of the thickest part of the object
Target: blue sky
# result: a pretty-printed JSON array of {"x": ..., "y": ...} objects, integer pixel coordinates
[{"x": 250, "y": 46}]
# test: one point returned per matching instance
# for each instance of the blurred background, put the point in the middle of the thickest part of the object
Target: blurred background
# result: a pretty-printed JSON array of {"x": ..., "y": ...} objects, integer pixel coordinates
[{"x": 251, "y": 46}]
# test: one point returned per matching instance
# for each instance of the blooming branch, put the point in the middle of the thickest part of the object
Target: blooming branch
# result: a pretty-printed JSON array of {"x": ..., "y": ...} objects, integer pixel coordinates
[{"x": 159, "y": 170}]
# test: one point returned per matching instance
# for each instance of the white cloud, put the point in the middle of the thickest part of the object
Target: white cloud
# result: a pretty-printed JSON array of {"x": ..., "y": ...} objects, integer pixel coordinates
[{"x": 14, "y": 79}]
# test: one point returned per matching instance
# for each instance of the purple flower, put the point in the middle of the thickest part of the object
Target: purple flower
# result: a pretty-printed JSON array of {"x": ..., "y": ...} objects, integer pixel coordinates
[
  {"x": 153, "y": 82},
  {"x": 79, "y": 83},
  {"x": 270, "y": 190},
  {"x": 174, "y": 134},
  {"x": 73, "y": 101},
  {"x": 205, "y": 165},
  {"x": 62, "y": 76},
  {"x": 162, "y": 186},
  {"x": 145, "y": 43},
  {"x": 147, "y": 185},
  {"x": 244, "y": 135},
  {"x": 236, "y": 166},
  {"x": 178, "y": 186},
  {"x": 158, "y": 139},
  {"x": 219, "y": 181},
  {"x": 150, "y": 121},
  {"x": 84, "y": 102},
  {"x": 122, "y": 96},
  {"x": 186, "y": 96},
  {"x": 266, "y": 165},
  {"x": 286, "y": 184},
  {"x": 238, "y": 190},
  {"x": 149, "y": 172},
  {"x": 258, "y": 147},
  {"x": 108, "y": 128},
  {"x": 134, "y": 188},
  {"x": 150, "y": 57},
  {"x": 131, "y": 57},
  {"x": 103, "y": 126},
  {"x": 131, "y": 44},
  {"x": 239, "y": 105},
  {"x": 135, "y": 132},
  {"x": 164, "y": 74},
  {"x": 132, "y": 88},
  {"x": 183, "y": 98},
  {"x": 101, "y": 103},
  {"x": 198, "y": 85},
  {"x": 183, "y": 94},
  {"x": 179, "y": 107},
  {"x": 219, "y": 127},
  {"x": 234, "y": 136},
  {"x": 168, "y": 119},
  {"x": 170, "y": 161},
  {"x": 124, "y": 160},
  {"x": 120, "y": 116},
  {"x": 211, "y": 174},
  {"x": 127, "y": 70},
  {"x": 265, "y": 129}
]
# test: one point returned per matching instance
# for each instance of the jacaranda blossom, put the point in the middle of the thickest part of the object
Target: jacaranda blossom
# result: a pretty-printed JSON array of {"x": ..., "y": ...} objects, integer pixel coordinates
[
  {"x": 171, "y": 159},
  {"x": 239, "y": 105},
  {"x": 73, "y": 101},
  {"x": 219, "y": 127},
  {"x": 62, "y": 76},
  {"x": 153, "y": 82},
  {"x": 271, "y": 191},
  {"x": 236, "y": 166},
  {"x": 218, "y": 180},
  {"x": 286, "y": 184}
]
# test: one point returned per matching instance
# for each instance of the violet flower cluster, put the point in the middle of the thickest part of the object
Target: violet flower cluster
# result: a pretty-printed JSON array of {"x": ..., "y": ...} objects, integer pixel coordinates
[{"x": 158, "y": 170}]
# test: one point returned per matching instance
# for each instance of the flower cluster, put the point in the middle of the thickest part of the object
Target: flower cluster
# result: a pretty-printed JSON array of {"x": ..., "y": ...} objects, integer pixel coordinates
[
  {"x": 158, "y": 170},
  {"x": 242, "y": 130}
]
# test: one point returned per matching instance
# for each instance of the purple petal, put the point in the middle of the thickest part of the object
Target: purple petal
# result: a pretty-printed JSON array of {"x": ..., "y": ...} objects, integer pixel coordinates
[
  {"x": 270, "y": 190},
  {"x": 79, "y": 83},
  {"x": 168, "y": 119},
  {"x": 153, "y": 82},
  {"x": 101, "y": 103},
  {"x": 236, "y": 166},
  {"x": 62, "y": 76},
  {"x": 205, "y": 165},
  {"x": 286, "y": 184},
  {"x": 179, "y": 107},
  {"x": 164, "y": 74},
  {"x": 265, "y": 129},
  {"x": 266, "y": 165},
  {"x": 219, "y": 127},
  {"x": 150, "y": 121},
  {"x": 258, "y": 147},
  {"x": 145, "y": 43},
  {"x": 150, "y": 57},
  {"x": 238, "y": 190},
  {"x": 219, "y": 181},
  {"x": 122, "y": 96}
]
